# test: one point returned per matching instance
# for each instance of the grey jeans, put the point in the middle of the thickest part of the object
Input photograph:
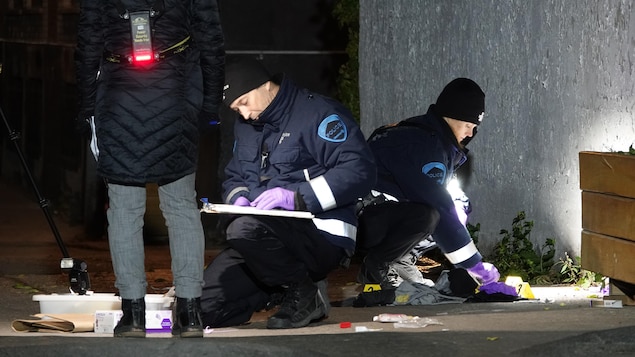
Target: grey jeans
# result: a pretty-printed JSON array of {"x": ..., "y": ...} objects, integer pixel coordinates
[{"x": 127, "y": 205}]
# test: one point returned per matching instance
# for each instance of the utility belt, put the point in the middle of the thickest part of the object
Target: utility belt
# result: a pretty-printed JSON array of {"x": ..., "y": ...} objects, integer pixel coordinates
[{"x": 158, "y": 56}]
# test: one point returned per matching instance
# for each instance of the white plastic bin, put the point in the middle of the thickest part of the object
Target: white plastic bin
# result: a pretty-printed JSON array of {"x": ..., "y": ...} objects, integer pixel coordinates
[
  {"x": 88, "y": 304},
  {"x": 77, "y": 304}
]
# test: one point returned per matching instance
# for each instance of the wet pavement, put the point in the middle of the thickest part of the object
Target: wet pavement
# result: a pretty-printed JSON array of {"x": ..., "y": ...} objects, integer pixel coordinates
[{"x": 561, "y": 321}]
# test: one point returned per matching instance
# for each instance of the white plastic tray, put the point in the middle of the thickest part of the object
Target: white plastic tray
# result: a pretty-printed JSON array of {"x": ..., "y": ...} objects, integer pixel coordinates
[{"x": 89, "y": 303}]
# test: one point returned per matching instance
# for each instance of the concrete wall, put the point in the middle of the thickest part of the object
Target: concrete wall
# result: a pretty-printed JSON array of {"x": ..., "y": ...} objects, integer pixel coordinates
[{"x": 558, "y": 77}]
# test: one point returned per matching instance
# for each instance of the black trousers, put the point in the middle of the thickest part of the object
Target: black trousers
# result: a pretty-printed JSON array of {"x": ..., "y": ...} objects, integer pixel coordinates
[
  {"x": 265, "y": 253},
  {"x": 389, "y": 230},
  {"x": 231, "y": 293},
  {"x": 281, "y": 250}
]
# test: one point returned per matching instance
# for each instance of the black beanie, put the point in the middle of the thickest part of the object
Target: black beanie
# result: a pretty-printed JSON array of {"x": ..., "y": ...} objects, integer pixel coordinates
[
  {"x": 462, "y": 99},
  {"x": 243, "y": 75}
]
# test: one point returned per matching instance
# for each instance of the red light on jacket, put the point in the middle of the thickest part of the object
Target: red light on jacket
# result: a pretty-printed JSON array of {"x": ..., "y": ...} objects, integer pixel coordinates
[{"x": 143, "y": 58}]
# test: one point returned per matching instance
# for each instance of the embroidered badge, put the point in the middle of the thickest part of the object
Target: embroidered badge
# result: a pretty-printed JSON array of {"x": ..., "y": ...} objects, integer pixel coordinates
[
  {"x": 436, "y": 171},
  {"x": 283, "y": 136},
  {"x": 333, "y": 129}
]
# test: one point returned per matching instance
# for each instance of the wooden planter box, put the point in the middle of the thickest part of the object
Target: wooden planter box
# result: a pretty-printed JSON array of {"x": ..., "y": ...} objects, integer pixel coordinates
[{"x": 607, "y": 181}]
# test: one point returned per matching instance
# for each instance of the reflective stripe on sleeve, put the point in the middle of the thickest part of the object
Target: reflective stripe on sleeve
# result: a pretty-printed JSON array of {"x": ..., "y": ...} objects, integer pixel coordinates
[
  {"x": 336, "y": 227},
  {"x": 323, "y": 193},
  {"x": 462, "y": 254},
  {"x": 231, "y": 193}
]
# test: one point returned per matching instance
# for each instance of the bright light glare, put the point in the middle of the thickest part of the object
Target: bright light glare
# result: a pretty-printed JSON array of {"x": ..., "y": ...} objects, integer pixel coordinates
[{"x": 454, "y": 188}]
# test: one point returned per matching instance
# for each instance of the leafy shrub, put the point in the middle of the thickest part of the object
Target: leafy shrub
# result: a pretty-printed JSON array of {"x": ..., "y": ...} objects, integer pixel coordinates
[
  {"x": 571, "y": 272},
  {"x": 346, "y": 12},
  {"x": 516, "y": 255},
  {"x": 631, "y": 151}
]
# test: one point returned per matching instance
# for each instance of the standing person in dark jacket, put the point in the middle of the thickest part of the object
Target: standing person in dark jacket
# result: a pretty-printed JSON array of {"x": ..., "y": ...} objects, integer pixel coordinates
[
  {"x": 416, "y": 159},
  {"x": 294, "y": 150},
  {"x": 148, "y": 72}
]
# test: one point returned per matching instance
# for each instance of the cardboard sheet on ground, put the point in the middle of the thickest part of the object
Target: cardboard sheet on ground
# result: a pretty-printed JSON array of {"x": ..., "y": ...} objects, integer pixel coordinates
[
  {"x": 231, "y": 209},
  {"x": 55, "y": 322}
]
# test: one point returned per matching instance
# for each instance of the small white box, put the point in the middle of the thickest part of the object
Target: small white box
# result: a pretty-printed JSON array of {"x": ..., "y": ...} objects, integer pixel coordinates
[
  {"x": 106, "y": 320},
  {"x": 156, "y": 320},
  {"x": 615, "y": 304}
]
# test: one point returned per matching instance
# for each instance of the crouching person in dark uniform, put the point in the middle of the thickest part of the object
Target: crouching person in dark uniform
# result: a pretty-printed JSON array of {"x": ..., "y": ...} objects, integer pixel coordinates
[
  {"x": 416, "y": 159},
  {"x": 297, "y": 151},
  {"x": 147, "y": 73}
]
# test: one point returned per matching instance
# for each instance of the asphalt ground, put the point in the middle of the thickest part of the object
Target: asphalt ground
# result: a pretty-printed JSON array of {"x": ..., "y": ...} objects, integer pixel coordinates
[{"x": 560, "y": 322}]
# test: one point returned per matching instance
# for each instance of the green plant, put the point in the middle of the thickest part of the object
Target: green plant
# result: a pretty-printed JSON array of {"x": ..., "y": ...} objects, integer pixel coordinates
[
  {"x": 571, "y": 272},
  {"x": 515, "y": 254},
  {"x": 631, "y": 151},
  {"x": 347, "y": 14},
  {"x": 474, "y": 231}
]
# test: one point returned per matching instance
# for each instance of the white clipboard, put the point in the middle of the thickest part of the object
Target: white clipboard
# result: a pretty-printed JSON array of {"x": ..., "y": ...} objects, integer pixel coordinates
[{"x": 232, "y": 209}]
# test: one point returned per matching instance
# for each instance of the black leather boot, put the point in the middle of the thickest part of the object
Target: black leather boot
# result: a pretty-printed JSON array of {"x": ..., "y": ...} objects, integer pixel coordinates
[
  {"x": 302, "y": 303},
  {"x": 186, "y": 318},
  {"x": 133, "y": 321}
]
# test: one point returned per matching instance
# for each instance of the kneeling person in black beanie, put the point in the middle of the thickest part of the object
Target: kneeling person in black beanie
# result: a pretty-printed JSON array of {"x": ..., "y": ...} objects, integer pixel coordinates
[
  {"x": 294, "y": 150},
  {"x": 416, "y": 159}
]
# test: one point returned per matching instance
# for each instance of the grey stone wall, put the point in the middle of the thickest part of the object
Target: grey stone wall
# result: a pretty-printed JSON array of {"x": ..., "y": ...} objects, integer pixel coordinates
[{"x": 558, "y": 77}]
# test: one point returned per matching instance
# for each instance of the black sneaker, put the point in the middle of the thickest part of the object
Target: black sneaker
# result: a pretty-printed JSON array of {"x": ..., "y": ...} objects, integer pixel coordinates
[
  {"x": 323, "y": 294},
  {"x": 378, "y": 273},
  {"x": 301, "y": 305}
]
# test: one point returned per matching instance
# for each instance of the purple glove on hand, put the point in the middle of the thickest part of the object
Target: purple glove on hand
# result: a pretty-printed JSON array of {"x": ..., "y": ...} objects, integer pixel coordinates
[
  {"x": 485, "y": 273},
  {"x": 460, "y": 212},
  {"x": 242, "y": 201},
  {"x": 275, "y": 198},
  {"x": 498, "y": 287}
]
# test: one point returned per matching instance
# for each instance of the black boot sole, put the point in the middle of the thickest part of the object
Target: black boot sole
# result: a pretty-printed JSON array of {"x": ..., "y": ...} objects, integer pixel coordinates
[
  {"x": 188, "y": 333},
  {"x": 134, "y": 333},
  {"x": 318, "y": 314}
]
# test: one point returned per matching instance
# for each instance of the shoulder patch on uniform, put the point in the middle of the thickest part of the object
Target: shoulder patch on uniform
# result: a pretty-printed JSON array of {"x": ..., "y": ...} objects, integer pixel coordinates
[
  {"x": 435, "y": 170},
  {"x": 333, "y": 129}
]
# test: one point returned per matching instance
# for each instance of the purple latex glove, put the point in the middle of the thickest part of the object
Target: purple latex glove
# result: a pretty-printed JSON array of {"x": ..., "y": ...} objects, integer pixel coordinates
[
  {"x": 498, "y": 287},
  {"x": 242, "y": 201},
  {"x": 460, "y": 212},
  {"x": 485, "y": 273},
  {"x": 275, "y": 198}
]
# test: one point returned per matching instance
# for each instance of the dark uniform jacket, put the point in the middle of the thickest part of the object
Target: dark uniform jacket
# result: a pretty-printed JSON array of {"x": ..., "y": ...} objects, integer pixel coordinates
[
  {"x": 146, "y": 115},
  {"x": 309, "y": 144},
  {"x": 415, "y": 161}
]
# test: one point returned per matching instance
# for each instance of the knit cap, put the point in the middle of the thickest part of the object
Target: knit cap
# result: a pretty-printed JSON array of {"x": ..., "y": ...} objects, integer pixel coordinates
[
  {"x": 242, "y": 75},
  {"x": 462, "y": 99}
]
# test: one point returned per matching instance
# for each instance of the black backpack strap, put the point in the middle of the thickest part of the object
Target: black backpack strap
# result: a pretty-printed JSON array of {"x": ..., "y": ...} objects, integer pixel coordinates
[{"x": 382, "y": 129}]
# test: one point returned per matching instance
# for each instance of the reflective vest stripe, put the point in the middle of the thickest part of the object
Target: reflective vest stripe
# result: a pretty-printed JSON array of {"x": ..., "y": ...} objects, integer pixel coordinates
[
  {"x": 231, "y": 193},
  {"x": 336, "y": 227},
  {"x": 462, "y": 254},
  {"x": 323, "y": 193}
]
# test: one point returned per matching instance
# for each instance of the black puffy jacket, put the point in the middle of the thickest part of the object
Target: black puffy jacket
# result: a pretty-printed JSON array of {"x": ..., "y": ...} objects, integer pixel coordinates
[{"x": 146, "y": 115}]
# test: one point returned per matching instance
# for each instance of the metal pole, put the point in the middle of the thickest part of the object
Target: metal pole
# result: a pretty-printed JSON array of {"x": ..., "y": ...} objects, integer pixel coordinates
[{"x": 44, "y": 203}]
